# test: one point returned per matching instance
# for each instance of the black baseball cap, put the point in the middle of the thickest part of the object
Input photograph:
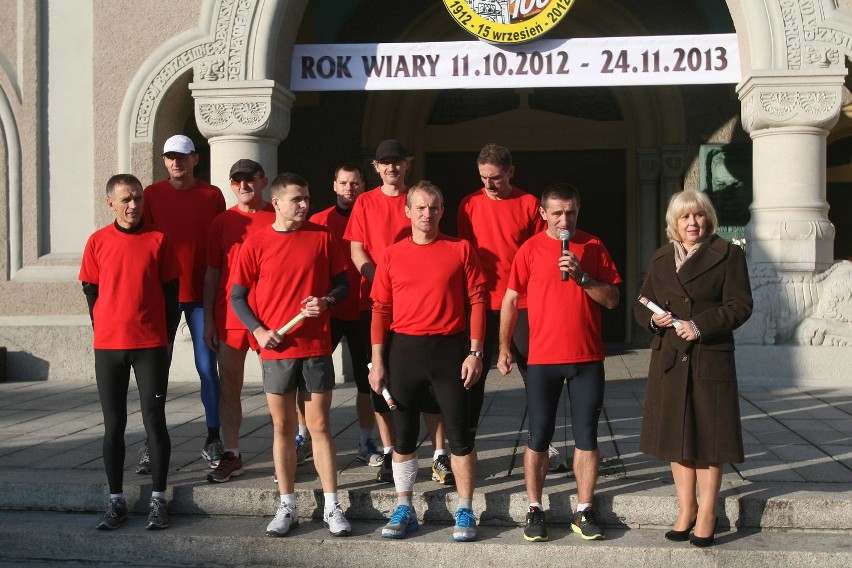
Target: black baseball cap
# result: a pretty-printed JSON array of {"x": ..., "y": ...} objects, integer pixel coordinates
[
  {"x": 391, "y": 149},
  {"x": 246, "y": 167}
]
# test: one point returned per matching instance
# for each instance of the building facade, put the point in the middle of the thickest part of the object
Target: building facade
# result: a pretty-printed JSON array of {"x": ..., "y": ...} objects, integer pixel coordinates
[{"x": 89, "y": 88}]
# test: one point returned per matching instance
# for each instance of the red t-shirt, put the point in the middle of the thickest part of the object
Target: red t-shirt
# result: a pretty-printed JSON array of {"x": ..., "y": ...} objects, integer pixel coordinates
[
  {"x": 428, "y": 285},
  {"x": 377, "y": 221},
  {"x": 284, "y": 269},
  {"x": 185, "y": 216},
  {"x": 497, "y": 228},
  {"x": 227, "y": 233},
  {"x": 336, "y": 223},
  {"x": 129, "y": 270},
  {"x": 565, "y": 323}
]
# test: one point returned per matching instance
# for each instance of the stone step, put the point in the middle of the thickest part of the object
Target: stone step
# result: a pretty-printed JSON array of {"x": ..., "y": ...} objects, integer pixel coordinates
[
  {"x": 228, "y": 541},
  {"x": 620, "y": 502}
]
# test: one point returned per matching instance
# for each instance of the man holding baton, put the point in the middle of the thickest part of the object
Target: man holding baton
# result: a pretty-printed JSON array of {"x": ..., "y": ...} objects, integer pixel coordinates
[
  {"x": 291, "y": 265},
  {"x": 566, "y": 278},
  {"x": 423, "y": 287}
]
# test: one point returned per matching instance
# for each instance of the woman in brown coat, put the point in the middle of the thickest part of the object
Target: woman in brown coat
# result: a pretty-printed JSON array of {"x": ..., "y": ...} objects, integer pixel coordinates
[{"x": 691, "y": 416}]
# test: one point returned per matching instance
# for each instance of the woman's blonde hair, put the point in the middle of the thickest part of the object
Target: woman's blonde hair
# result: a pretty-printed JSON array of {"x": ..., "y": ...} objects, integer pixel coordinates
[{"x": 689, "y": 201}]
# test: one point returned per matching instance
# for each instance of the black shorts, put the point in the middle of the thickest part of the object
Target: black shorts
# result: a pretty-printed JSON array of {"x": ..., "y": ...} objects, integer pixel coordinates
[
  {"x": 310, "y": 374},
  {"x": 422, "y": 369},
  {"x": 585, "y": 393}
]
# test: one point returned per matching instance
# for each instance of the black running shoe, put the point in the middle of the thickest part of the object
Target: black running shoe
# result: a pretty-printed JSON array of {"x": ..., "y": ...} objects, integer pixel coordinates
[
  {"x": 158, "y": 515},
  {"x": 144, "y": 465},
  {"x": 442, "y": 471},
  {"x": 536, "y": 529},
  {"x": 585, "y": 524},
  {"x": 116, "y": 514}
]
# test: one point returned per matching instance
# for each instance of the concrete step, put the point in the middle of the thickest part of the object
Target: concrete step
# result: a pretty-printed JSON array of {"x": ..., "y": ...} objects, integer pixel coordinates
[
  {"x": 240, "y": 541},
  {"x": 620, "y": 501}
]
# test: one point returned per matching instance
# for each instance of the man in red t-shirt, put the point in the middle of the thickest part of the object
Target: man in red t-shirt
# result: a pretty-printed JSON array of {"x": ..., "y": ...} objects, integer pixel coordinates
[
  {"x": 424, "y": 286},
  {"x": 130, "y": 279},
  {"x": 291, "y": 266},
  {"x": 224, "y": 333},
  {"x": 497, "y": 219},
  {"x": 345, "y": 318},
  {"x": 565, "y": 344},
  {"x": 183, "y": 206},
  {"x": 377, "y": 221}
]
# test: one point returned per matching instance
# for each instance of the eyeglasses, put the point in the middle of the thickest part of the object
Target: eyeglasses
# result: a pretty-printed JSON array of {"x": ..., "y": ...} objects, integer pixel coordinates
[{"x": 238, "y": 179}]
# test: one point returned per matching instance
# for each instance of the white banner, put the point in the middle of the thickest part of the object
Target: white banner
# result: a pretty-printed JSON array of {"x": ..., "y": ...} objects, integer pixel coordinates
[{"x": 584, "y": 62}]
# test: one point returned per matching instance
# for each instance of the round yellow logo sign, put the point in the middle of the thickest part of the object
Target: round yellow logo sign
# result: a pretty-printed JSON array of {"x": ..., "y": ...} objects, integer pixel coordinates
[{"x": 508, "y": 21}]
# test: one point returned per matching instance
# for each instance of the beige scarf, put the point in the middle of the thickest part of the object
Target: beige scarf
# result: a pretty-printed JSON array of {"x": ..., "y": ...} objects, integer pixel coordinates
[{"x": 682, "y": 256}]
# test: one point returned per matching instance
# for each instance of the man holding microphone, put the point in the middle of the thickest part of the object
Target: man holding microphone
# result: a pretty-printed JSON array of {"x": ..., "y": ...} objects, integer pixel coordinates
[{"x": 565, "y": 283}]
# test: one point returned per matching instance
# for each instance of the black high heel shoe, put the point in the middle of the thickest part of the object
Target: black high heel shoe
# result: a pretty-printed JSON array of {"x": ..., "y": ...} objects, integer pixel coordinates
[
  {"x": 680, "y": 536},
  {"x": 704, "y": 541}
]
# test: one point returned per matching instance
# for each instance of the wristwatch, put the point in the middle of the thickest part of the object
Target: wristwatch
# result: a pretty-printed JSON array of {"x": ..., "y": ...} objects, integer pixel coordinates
[
  {"x": 329, "y": 300},
  {"x": 477, "y": 354},
  {"x": 584, "y": 279}
]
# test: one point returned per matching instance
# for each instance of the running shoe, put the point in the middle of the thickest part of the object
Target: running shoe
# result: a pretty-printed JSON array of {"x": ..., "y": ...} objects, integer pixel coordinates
[
  {"x": 442, "y": 471},
  {"x": 213, "y": 453},
  {"x": 285, "y": 519},
  {"x": 369, "y": 454},
  {"x": 402, "y": 522},
  {"x": 116, "y": 514},
  {"x": 385, "y": 474},
  {"x": 556, "y": 462},
  {"x": 336, "y": 521},
  {"x": 536, "y": 529},
  {"x": 144, "y": 465},
  {"x": 585, "y": 524},
  {"x": 158, "y": 515},
  {"x": 229, "y": 466},
  {"x": 465, "y": 529},
  {"x": 304, "y": 449}
]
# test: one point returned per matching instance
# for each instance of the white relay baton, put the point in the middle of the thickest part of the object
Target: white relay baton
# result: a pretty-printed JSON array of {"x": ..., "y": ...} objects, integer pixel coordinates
[
  {"x": 385, "y": 392},
  {"x": 656, "y": 309}
]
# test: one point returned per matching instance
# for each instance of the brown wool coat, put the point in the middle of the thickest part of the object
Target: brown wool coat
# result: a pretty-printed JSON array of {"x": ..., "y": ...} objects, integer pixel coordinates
[{"x": 691, "y": 410}]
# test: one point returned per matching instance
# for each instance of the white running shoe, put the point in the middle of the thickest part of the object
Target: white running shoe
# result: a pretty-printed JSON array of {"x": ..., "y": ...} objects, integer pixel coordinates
[
  {"x": 336, "y": 521},
  {"x": 285, "y": 519}
]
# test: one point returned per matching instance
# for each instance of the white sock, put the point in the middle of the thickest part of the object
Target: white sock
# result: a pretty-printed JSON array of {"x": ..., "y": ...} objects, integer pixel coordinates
[
  {"x": 465, "y": 503},
  {"x": 404, "y": 474},
  {"x": 330, "y": 500},
  {"x": 583, "y": 506},
  {"x": 537, "y": 506},
  {"x": 289, "y": 499},
  {"x": 303, "y": 431},
  {"x": 365, "y": 435},
  {"x": 117, "y": 496},
  {"x": 235, "y": 451},
  {"x": 404, "y": 500},
  {"x": 439, "y": 453},
  {"x": 388, "y": 449},
  {"x": 158, "y": 495}
]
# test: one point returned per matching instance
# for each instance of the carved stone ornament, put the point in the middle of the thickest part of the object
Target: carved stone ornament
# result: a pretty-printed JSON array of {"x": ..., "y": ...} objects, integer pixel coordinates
[
  {"x": 809, "y": 310},
  {"x": 221, "y": 57},
  {"x": 772, "y": 99}
]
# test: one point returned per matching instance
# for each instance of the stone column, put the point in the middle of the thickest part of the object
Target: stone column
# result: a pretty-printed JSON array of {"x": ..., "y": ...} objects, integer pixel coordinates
[
  {"x": 788, "y": 116},
  {"x": 246, "y": 119},
  {"x": 649, "y": 204}
]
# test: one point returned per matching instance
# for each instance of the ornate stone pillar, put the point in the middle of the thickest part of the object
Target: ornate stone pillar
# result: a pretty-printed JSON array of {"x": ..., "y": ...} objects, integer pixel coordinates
[
  {"x": 788, "y": 116},
  {"x": 649, "y": 204},
  {"x": 245, "y": 119}
]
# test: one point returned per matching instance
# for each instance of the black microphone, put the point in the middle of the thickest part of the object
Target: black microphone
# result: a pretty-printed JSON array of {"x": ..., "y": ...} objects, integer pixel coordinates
[{"x": 564, "y": 236}]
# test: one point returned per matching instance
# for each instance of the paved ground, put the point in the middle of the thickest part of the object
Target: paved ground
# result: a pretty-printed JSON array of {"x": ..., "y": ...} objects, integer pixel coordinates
[{"x": 797, "y": 474}]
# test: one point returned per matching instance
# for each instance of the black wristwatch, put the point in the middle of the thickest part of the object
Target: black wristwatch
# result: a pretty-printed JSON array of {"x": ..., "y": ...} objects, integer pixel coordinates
[
  {"x": 584, "y": 279},
  {"x": 477, "y": 354},
  {"x": 329, "y": 301}
]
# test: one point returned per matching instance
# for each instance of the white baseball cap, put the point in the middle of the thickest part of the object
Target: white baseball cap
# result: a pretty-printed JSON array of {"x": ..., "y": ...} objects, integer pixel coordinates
[{"x": 179, "y": 144}]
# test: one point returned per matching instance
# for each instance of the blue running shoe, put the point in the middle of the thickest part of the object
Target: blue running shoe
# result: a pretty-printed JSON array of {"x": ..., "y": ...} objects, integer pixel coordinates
[
  {"x": 465, "y": 529},
  {"x": 402, "y": 521}
]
